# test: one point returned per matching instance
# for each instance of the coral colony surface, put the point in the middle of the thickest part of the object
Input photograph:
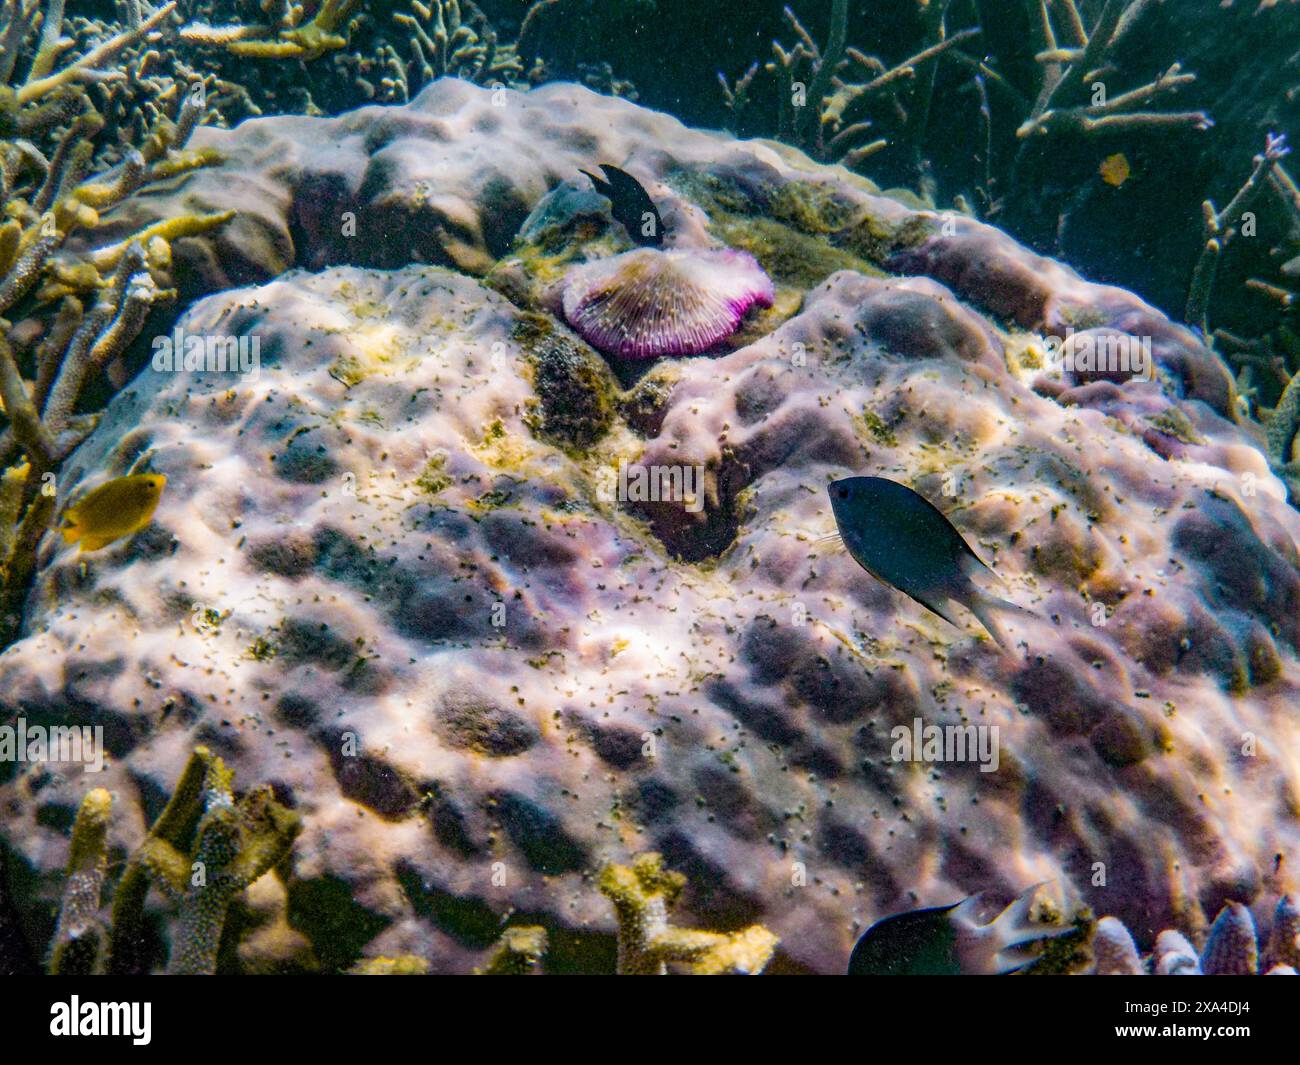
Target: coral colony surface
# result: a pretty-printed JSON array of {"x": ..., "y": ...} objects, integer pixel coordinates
[{"x": 416, "y": 457}]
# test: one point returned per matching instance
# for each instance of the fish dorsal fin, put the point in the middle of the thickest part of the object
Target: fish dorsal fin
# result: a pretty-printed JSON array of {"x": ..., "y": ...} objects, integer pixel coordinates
[{"x": 602, "y": 186}]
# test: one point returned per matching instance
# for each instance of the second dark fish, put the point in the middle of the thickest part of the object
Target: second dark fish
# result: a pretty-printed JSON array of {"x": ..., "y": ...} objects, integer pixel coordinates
[
  {"x": 630, "y": 205},
  {"x": 952, "y": 941}
]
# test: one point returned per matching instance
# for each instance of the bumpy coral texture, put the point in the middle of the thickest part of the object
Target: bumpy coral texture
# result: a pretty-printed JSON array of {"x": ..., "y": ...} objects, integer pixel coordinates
[{"x": 376, "y": 583}]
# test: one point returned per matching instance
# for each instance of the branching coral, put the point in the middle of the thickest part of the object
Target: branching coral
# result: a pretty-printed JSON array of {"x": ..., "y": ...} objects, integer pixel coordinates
[
  {"x": 81, "y": 939},
  {"x": 1221, "y": 227},
  {"x": 830, "y": 97},
  {"x": 71, "y": 306},
  {"x": 205, "y": 848},
  {"x": 453, "y": 37},
  {"x": 827, "y": 123},
  {"x": 642, "y": 894},
  {"x": 1075, "y": 60},
  {"x": 284, "y": 35},
  {"x": 43, "y": 83},
  {"x": 1268, "y": 364},
  {"x": 518, "y": 952}
]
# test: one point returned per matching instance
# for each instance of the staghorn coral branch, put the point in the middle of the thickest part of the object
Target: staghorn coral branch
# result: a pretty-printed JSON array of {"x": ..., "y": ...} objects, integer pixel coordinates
[
  {"x": 518, "y": 952},
  {"x": 90, "y": 340},
  {"x": 27, "y": 270},
  {"x": 51, "y": 46},
  {"x": 826, "y": 64},
  {"x": 19, "y": 21},
  {"x": 70, "y": 162},
  {"x": 49, "y": 354},
  {"x": 18, "y": 406},
  {"x": 168, "y": 229},
  {"x": 13, "y": 487},
  {"x": 1221, "y": 227},
  {"x": 95, "y": 58},
  {"x": 847, "y": 95},
  {"x": 80, "y": 939},
  {"x": 1281, "y": 428},
  {"x": 204, "y": 849},
  {"x": 642, "y": 894},
  {"x": 21, "y": 559},
  {"x": 281, "y": 40}
]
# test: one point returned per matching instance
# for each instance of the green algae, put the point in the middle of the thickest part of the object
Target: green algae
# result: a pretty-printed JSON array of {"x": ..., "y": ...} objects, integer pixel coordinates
[
  {"x": 433, "y": 478},
  {"x": 877, "y": 428},
  {"x": 1068, "y": 953},
  {"x": 810, "y": 207},
  {"x": 800, "y": 232},
  {"x": 799, "y": 260},
  {"x": 575, "y": 389},
  {"x": 1173, "y": 422}
]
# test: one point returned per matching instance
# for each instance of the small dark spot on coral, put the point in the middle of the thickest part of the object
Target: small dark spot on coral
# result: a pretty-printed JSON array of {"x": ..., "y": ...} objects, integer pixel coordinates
[{"x": 470, "y": 721}]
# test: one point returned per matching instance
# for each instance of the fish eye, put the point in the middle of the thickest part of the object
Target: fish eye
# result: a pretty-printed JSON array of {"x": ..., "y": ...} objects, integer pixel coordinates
[{"x": 843, "y": 493}]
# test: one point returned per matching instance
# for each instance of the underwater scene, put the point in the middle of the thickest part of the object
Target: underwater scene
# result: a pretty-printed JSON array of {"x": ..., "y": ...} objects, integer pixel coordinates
[{"x": 621, "y": 487}]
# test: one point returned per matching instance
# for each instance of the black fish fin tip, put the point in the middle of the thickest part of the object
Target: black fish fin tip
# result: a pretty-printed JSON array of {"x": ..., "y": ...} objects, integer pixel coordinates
[
  {"x": 985, "y": 606},
  {"x": 600, "y": 183},
  {"x": 942, "y": 607}
]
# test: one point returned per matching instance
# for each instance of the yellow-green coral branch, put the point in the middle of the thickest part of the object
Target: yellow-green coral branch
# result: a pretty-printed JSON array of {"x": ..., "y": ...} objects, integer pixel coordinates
[
  {"x": 642, "y": 894},
  {"x": 95, "y": 58},
  {"x": 187, "y": 225},
  {"x": 517, "y": 953},
  {"x": 310, "y": 41},
  {"x": 79, "y": 940}
]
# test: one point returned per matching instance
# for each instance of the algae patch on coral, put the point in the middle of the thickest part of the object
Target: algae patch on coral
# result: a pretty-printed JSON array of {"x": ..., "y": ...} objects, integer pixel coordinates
[{"x": 576, "y": 392}]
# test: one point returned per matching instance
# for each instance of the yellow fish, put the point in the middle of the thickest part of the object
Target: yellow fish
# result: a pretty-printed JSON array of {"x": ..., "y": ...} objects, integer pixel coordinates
[
  {"x": 115, "y": 509},
  {"x": 1115, "y": 169}
]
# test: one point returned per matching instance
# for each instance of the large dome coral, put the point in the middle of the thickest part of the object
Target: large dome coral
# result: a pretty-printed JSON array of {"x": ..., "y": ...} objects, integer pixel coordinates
[{"x": 384, "y": 579}]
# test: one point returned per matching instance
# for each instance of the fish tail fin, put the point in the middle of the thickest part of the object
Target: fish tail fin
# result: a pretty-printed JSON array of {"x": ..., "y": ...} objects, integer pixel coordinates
[
  {"x": 1006, "y": 943},
  {"x": 985, "y": 607},
  {"x": 984, "y": 604},
  {"x": 943, "y": 607}
]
